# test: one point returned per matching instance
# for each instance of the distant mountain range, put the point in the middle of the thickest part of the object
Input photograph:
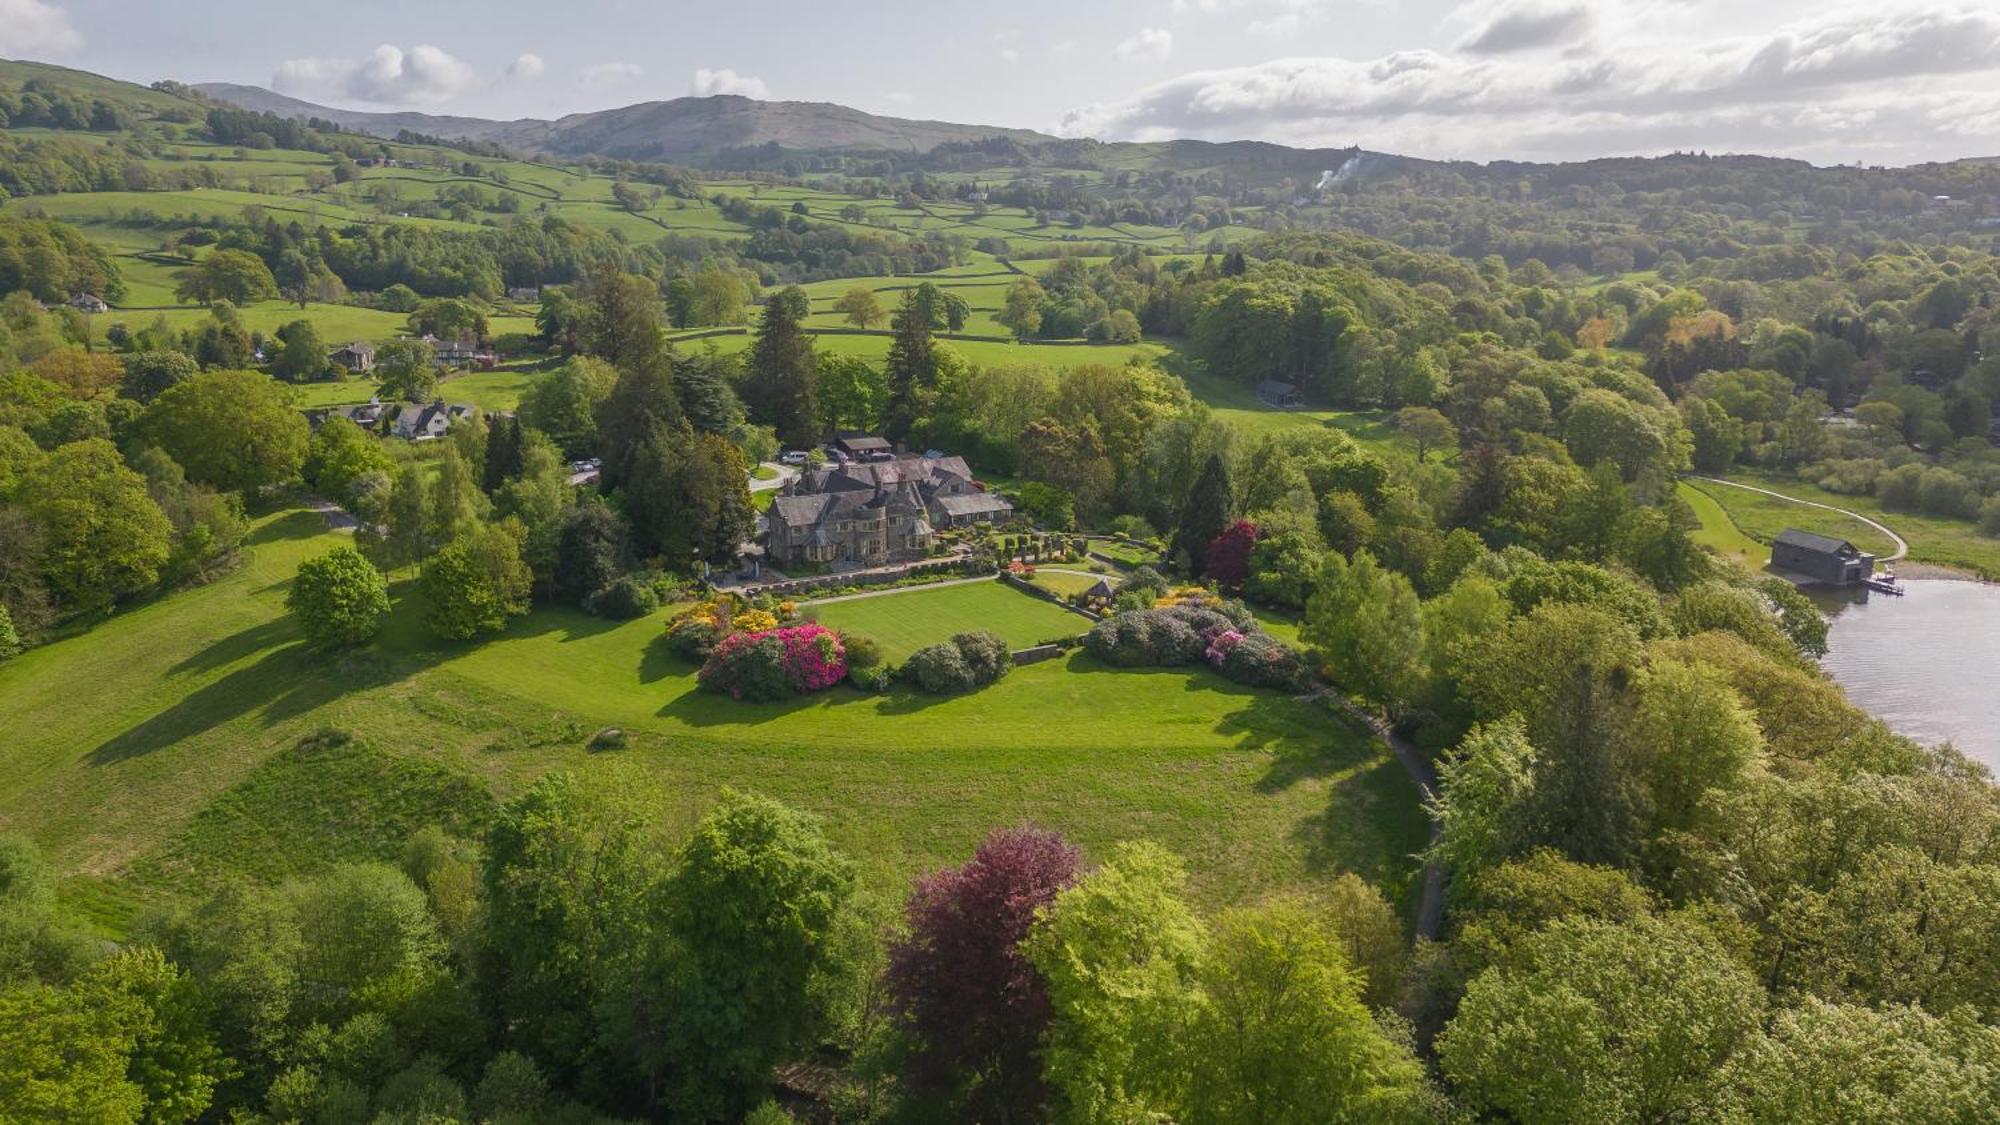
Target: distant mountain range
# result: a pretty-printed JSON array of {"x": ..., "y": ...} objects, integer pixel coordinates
[{"x": 675, "y": 130}]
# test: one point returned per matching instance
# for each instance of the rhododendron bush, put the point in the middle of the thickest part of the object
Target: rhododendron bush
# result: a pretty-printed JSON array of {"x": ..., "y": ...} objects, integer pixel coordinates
[{"x": 775, "y": 663}]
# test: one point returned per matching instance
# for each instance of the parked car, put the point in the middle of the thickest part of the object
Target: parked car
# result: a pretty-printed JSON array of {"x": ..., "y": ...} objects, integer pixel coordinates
[{"x": 793, "y": 457}]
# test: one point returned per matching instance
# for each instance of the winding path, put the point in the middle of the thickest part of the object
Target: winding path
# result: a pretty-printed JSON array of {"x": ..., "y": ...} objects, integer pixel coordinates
[
  {"x": 1430, "y": 908},
  {"x": 1902, "y": 547}
]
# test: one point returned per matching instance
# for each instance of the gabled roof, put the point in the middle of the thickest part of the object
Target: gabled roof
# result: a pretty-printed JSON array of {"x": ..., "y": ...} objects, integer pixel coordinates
[
  {"x": 973, "y": 504},
  {"x": 1821, "y": 544}
]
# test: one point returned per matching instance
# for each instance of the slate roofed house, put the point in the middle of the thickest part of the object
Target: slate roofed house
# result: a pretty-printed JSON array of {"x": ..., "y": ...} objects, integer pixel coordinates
[
  {"x": 1835, "y": 562},
  {"x": 358, "y": 357},
  {"x": 876, "y": 512},
  {"x": 367, "y": 415},
  {"x": 89, "y": 302},
  {"x": 1275, "y": 393},
  {"x": 428, "y": 422}
]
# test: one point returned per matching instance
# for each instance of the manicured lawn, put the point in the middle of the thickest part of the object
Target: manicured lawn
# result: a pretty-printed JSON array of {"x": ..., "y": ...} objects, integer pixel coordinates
[
  {"x": 1065, "y": 584},
  {"x": 1124, "y": 553},
  {"x": 907, "y": 620},
  {"x": 152, "y": 755}
]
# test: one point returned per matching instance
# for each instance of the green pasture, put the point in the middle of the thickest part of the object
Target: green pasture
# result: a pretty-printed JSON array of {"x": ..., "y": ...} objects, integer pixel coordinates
[{"x": 153, "y": 756}]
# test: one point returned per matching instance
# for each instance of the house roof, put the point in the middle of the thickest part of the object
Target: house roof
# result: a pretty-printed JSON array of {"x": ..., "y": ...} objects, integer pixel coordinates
[
  {"x": 802, "y": 509},
  {"x": 974, "y": 504},
  {"x": 862, "y": 443},
  {"x": 869, "y": 475},
  {"x": 1276, "y": 387},
  {"x": 1820, "y": 544}
]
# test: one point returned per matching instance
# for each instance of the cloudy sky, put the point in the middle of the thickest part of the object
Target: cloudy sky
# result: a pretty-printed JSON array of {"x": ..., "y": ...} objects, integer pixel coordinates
[{"x": 1890, "y": 81}]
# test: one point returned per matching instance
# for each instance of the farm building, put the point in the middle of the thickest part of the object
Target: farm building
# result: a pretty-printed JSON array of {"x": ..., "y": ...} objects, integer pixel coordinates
[
  {"x": 358, "y": 357},
  {"x": 89, "y": 302},
  {"x": 1274, "y": 393},
  {"x": 1835, "y": 562},
  {"x": 861, "y": 446}
]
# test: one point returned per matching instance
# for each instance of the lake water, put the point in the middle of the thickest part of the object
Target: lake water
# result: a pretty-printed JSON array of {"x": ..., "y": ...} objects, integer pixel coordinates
[{"x": 1927, "y": 663}]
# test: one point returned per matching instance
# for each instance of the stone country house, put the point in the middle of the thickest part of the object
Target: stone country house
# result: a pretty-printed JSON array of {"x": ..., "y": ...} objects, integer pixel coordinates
[{"x": 876, "y": 513}]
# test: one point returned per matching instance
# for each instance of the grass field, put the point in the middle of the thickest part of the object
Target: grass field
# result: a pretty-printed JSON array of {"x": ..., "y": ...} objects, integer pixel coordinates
[
  {"x": 1718, "y": 532},
  {"x": 1762, "y": 518},
  {"x": 1933, "y": 539},
  {"x": 152, "y": 755},
  {"x": 907, "y": 620},
  {"x": 1239, "y": 406}
]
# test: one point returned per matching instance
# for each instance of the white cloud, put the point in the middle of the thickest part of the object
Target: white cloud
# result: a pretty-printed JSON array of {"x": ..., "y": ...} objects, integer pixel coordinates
[
  {"x": 526, "y": 67},
  {"x": 711, "y": 82},
  {"x": 1151, "y": 44},
  {"x": 599, "y": 76},
  {"x": 1898, "y": 79},
  {"x": 1500, "y": 27},
  {"x": 423, "y": 75},
  {"x": 31, "y": 28},
  {"x": 1009, "y": 55}
]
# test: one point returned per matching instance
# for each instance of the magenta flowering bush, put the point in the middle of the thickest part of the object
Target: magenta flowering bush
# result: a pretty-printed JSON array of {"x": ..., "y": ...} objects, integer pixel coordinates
[
  {"x": 775, "y": 663},
  {"x": 814, "y": 657},
  {"x": 1221, "y": 645}
]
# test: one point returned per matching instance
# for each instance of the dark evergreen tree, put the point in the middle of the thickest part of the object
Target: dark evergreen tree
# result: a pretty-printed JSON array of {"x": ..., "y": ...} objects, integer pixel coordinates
[
  {"x": 703, "y": 383},
  {"x": 640, "y": 402},
  {"x": 1206, "y": 514},
  {"x": 592, "y": 550},
  {"x": 778, "y": 388},
  {"x": 503, "y": 453},
  {"x": 625, "y": 322},
  {"x": 912, "y": 367}
]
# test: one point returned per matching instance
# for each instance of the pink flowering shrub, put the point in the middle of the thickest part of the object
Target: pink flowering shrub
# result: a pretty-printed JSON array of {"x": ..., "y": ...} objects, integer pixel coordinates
[
  {"x": 1220, "y": 645},
  {"x": 775, "y": 663}
]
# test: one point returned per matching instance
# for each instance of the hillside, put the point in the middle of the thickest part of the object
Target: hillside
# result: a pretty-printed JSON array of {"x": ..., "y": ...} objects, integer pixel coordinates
[
  {"x": 261, "y": 100},
  {"x": 676, "y": 129}
]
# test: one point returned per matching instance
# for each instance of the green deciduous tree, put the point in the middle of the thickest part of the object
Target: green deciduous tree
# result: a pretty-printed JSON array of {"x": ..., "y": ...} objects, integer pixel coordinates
[
  {"x": 1023, "y": 309},
  {"x": 341, "y": 453},
  {"x": 236, "y": 276},
  {"x": 1604, "y": 1022},
  {"x": 860, "y": 307},
  {"x": 1280, "y": 1034},
  {"x": 406, "y": 371},
  {"x": 338, "y": 598},
  {"x": 303, "y": 354},
  {"x": 1120, "y": 952},
  {"x": 476, "y": 582},
  {"x": 150, "y": 374},
  {"x": 1367, "y": 625},
  {"x": 750, "y": 910},
  {"x": 233, "y": 430},
  {"x": 103, "y": 537},
  {"x": 569, "y": 865}
]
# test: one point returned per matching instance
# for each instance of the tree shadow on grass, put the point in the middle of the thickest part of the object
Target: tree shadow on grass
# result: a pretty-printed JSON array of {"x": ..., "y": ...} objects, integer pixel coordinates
[
  {"x": 236, "y": 646},
  {"x": 287, "y": 682},
  {"x": 1371, "y": 824},
  {"x": 660, "y": 661},
  {"x": 302, "y": 524}
]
